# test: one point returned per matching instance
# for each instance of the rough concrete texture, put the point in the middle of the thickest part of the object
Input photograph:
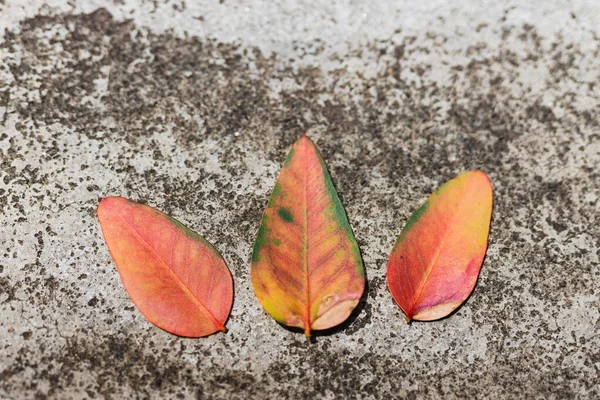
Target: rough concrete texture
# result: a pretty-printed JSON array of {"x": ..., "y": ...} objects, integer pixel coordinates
[{"x": 192, "y": 107}]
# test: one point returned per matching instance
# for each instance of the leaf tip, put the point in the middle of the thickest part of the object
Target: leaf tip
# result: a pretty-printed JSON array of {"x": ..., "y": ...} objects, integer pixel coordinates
[{"x": 305, "y": 138}]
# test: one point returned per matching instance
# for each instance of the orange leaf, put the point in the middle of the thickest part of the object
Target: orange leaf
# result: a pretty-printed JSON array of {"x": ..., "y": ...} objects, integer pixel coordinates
[
  {"x": 176, "y": 278},
  {"x": 306, "y": 267},
  {"x": 435, "y": 262}
]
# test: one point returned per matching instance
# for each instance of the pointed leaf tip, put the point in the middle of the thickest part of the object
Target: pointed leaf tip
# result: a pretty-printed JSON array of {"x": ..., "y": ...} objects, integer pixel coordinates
[
  {"x": 177, "y": 280},
  {"x": 306, "y": 267},
  {"x": 436, "y": 260}
]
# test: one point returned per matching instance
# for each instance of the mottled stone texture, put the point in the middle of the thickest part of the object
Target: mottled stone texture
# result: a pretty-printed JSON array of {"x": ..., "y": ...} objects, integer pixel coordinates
[{"x": 93, "y": 104}]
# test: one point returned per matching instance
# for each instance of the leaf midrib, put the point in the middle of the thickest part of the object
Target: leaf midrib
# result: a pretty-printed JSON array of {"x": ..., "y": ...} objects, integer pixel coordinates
[
  {"x": 434, "y": 259},
  {"x": 182, "y": 284},
  {"x": 429, "y": 269},
  {"x": 307, "y": 327}
]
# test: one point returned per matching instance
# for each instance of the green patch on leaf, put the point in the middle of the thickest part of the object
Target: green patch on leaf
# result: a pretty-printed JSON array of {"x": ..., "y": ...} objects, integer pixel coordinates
[
  {"x": 413, "y": 220},
  {"x": 261, "y": 238},
  {"x": 288, "y": 159},
  {"x": 285, "y": 215},
  {"x": 339, "y": 213},
  {"x": 276, "y": 193}
]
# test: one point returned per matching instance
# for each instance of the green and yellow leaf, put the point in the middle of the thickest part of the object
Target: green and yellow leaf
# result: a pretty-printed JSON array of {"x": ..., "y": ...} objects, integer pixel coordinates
[{"x": 306, "y": 266}]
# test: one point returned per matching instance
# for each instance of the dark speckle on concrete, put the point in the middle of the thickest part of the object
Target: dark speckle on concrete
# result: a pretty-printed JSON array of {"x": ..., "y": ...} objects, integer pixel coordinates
[{"x": 93, "y": 105}]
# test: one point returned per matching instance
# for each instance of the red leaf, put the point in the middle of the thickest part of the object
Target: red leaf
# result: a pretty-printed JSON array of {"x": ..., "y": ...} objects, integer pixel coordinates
[
  {"x": 176, "y": 278},
  {"x": 435, "y": 262}
]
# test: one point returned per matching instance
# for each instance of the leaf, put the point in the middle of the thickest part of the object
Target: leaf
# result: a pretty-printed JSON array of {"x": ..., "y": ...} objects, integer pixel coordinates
[
  {"x": 436, "y": 259},
  {"x": 176, "y": 278},
  {"x": 306, "y": 267}
]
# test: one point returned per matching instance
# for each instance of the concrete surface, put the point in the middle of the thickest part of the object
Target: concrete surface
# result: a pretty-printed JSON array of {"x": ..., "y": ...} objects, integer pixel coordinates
[{"x": 191, "y": 108}]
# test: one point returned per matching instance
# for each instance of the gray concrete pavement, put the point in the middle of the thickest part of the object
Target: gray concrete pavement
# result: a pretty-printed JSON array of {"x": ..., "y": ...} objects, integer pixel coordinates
[{"x": 191, "y": 107}]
